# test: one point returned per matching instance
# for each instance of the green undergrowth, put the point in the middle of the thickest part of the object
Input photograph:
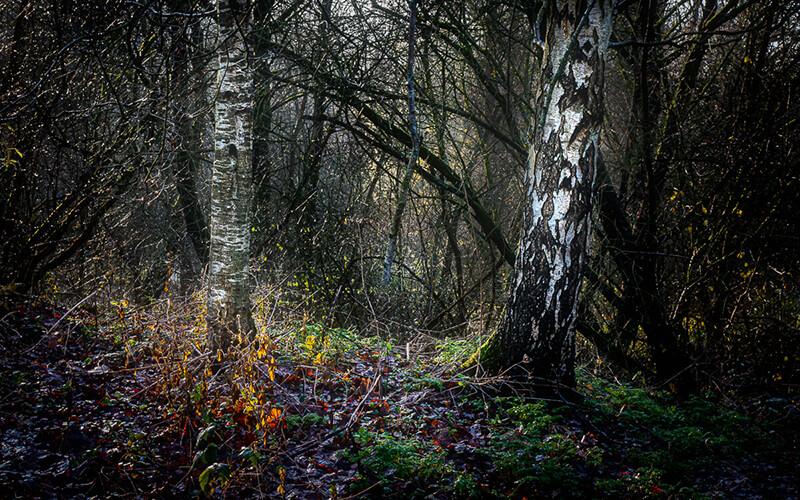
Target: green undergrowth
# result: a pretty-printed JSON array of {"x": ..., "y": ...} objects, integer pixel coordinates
[
  {"x": 534, "y": 451},
  {"x": 620, "y": 442},
  {"x": 318, "y": 412},
  {"x": 386, "y": 459},
  {"x": 670, "y": 447}
]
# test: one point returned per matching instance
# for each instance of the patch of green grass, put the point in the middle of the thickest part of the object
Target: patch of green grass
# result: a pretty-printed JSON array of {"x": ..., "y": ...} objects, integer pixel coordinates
[
  {"x": 316, "y": 343},
  {"x": 456, "y": 350}
]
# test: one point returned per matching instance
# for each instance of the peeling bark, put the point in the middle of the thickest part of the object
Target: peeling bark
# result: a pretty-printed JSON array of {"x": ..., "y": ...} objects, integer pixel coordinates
[
  {"x": 537, "y": 330},
  {"x": 231, "y": 185}
]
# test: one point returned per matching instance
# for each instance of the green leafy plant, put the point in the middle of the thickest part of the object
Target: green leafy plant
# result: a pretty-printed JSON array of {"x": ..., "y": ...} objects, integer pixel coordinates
[
  {"x": 674, "y": 439},
  {"x": 530, "y": 457},
  {"x": 294, "y": 422},
  {"x": 214, "y": 476},
  {"x": 387, "y": 457}
]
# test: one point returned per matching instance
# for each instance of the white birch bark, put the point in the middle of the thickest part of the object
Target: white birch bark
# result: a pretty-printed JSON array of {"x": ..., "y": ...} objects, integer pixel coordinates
[
  {"x": 537, "y": 326},
  {"x": 231, "y": 185}
]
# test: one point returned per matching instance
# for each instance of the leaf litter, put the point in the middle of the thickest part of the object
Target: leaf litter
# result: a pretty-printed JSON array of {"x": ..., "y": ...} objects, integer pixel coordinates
[{"x": 124, "y": 403}]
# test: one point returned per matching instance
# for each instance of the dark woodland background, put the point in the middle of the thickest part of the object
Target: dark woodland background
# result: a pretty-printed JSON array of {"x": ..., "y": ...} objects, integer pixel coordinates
[{"x": 107, "y": 128}]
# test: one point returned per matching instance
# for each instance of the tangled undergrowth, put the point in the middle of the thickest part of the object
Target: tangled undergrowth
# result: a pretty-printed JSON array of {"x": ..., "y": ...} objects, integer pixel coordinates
[{"x": 120, "y": 401}]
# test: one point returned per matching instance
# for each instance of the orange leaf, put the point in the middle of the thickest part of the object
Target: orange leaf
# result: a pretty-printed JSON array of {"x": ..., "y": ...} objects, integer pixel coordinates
[{"x": 274, "y": 417}]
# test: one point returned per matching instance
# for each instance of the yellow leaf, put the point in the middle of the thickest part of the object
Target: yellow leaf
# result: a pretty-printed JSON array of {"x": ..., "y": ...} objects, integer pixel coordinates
[{"x": 281, "y": 489}]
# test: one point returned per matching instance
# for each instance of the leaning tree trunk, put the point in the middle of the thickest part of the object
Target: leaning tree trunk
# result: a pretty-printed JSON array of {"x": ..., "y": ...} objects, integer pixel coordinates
[
  {"x": 229, "y": 286},
  {"x": 536, "y": 332}
]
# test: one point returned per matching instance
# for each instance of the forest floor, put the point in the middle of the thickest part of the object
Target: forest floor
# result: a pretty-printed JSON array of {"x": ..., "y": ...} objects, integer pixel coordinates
[{"x": 121, "y": 402}]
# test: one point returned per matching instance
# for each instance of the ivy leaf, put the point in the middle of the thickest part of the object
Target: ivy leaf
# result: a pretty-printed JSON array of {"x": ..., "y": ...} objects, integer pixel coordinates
[
  {"x": 205, "y": 434},
  {"x": 210, "y": 454},
  {"x": 247, "y": 454},
  {"x": 215, "y": 475}
]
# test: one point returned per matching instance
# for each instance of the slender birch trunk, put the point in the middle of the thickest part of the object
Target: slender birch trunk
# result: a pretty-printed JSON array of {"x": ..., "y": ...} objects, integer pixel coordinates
[
  {"x": 536, "y": 332},
  {"x": 229, "y": 286}
]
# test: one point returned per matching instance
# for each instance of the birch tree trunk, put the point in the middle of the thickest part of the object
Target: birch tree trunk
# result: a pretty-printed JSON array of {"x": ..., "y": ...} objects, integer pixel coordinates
[
  {"x": 536, "y": 332},
  {"x": 229, "y": 287}
]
